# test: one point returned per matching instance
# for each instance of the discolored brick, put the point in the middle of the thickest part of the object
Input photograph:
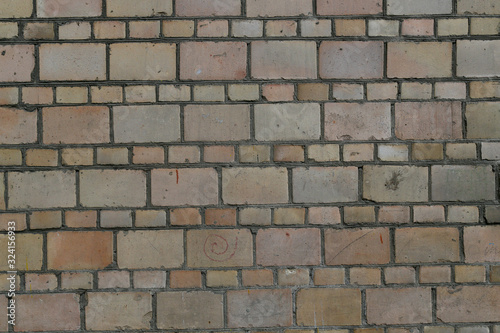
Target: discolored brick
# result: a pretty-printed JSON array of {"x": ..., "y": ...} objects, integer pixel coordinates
[
  {"x": 17, "y": 63},
  {"x": 29, "y": 252},
  {"x": 68, "y": 8},
  {"x": 344, "y": 7},
  {"x": 415, "y": 245},
  {"x": 419, "y": 60},
  {"x": 208, "y": 8},
  {"x": 426, "y": 7},
  {"x": 146, "y": 8},
  {"x": 468, "y": 304},
  {"x": 482, "y": 120},
  {"x": 16, "y": 8},
  {"x": 481, "y": 244}
]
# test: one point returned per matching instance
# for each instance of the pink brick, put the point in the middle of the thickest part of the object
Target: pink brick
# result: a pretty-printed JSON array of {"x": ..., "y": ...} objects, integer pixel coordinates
[
  {"x": 349, "y": 7},
  {"x": 16, "y": 63},
  {"x": 482, "y": 244},
  {"x": 278, "y": 92},
  {"x": 417, "y": 27},
  {"x": 208, "y": 8},
  {"x": 279, "y": 247},
  {"x": 213, "y": 61},
  {"x": 17, "y": 126},
  {"x": 266, "y": 8},
  {"x": 69, "y": 8}
]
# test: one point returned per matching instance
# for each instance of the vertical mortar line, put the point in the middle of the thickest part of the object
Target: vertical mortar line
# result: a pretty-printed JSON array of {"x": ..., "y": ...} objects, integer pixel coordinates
[
  {"x": 115, "y": 248},
  {"x": 178, "y": 65},
  {"x": 77, "y": 188},
  {"x": 385, "y": 56},
  {"x": 454, "y": 59},
  {"x": 108, "y": 61},
  {"x": 83, "y": 303},
  {"x": 44, "y": 254},
  {"x": 111, "y": 126},
  {"x": 154, "y": 309},
  {"x": 434, "y": 304},
  {"x": 322, "y": 120},
  {"x": 184, "y": 244},
  {"x": 182, "y": 126},
  {"x": 148, "y": 188},
  {"x": 392, "y": 245},
  {"x": 252, "y": 128},
  {"x": 290, "y": 185},
  {"x": 360, "y": 184},
  {"x": 429, "y": 182},
  {"x": 220, "y": 201},
  {"x": 363, "y": 307},
  {"x": 461, "y": 244}
]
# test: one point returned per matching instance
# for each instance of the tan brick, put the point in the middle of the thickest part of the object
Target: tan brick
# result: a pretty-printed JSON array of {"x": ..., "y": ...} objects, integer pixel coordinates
[
  {"x": 463, "y": 214},
  {"x": 209, "y": 93},
  {"x": 254, "y": 154},
  {"x": 178, "y": 28},
  {"x": 399, "y": 306},
  {"x": 8, "y": 30},
  {"x": 461, "y": 151},
  {"x": 77, "y": 156},
  {"x": 347, "y": 91},
  {"x": 324, "y": 215},
  {"x": 81, "y": 219},
  {"x": 255, "y": 216},
  {"x": 219, "y": 248},
  {"x": 472, "y": 7},
  {"x": 435, "y": 274},
  {"x": 71, "y": 95},
  {"x": 474, "y": 58},
  {"x": 281, "y": 28},
  {"x": 75, "y": 30},
  {"x": 289, "y": 216},
  {"x": 11, "y": 157},
  {"x": 245, "y": 308},
  {"x": 419, "y": 60},
  {"x": 408, "y": 7},
  {"x": 140, "y": 94},
  {"x": 357, "y": 246},
  {"x": 185, "y": 279},
  {"x": 106, "y": 94},
  {"x": 453, "y": 27},
  {"x": 16, "y": 8},
  {"x": 416, "y": 90},
  {"x": 109, "y": 29},
  {"x": 220, "y": 217},
  {"x": 69, "y": 8},
  {"x": 113, "y": 311},
  {"x": 462, "y": 183},
  {"x": 481, "y": 244},
  {"x": 9, "y": 95},
  {"x": 364, "y": 276},
  {"x": 112, "y": 156},
  {"x": 150, "y": 218},
  {"x": 484, "y": 89},
  {"x": 450, "y": 90},
  {"x": 324, "y": 153},
  {"x": 439, "y": 329},
  {"x": 312, "y": 91},
  {"x": 468, "y": 304},
  {"x": 184, "y": 154},
  {"x": 212, "y": 28},
  {"x": 484, "y": 26},
  {"x": 262, "y": 8},
  {"x": 254, "y": 185},
  {"x": 393, "y": 152},
  {"x": 116, "y": 219},
  {"x": 19, "y": 218},
  {"x": 159, "y": 61},
  {"x": 427, "y": 151},
  {"x": 79, "y": 250},
  {"x": 357, "y": 214},
  {"x": 325, "y": 184},
  {"x": 213, "y": 60},
  {"x": 490, "y": 151},
  {"x": 42, "y": 189},
  {"x": 147, "y": 8},
  {"x": 208, "y": 8},
  {"x": 381, "y": 91},
  {"x": 257, "y": 277},
  {"x": 39, "y": 30},
  {"x": 185, "y": 216},
  {"x": 327, "y": 307},
  {"x": 174, "y": 93},
  {"x": 112, "y": 188},
  {"x": 315, "y": 28},
  {"x": 243, "y": 92},
  {"x": 343, "y": 7},
  {"x": 144, "y": 29},
  {"x": 113, "y": 279},
  {"x": 329, "y": 276},
  {"x": 45, "y": 220},
  {"x": 284, "y": 59},
  {"x": 218, "y": 154},
  {"x": 288, "y": 153},
  {"x": 190, "y": 310},
  {"x": 417, "y": 27},
  {"x": 482, "y": 120},
  {"x": 217, "y": 122},
  {"x": 427, "y": 245},
  {"x": 59, "y": 312},
  {"x": 293, "y": 277},
  {"x": 222, "y": 279},
  {"x": 365, "y": 59},
  {"x": 148, "y": 155},
  {"x": 280, "y": 247},
  {"x": 17, "y": 63},
  {"x": 399, "y": 275},
  {"x": 29, "y": 253},
  {"x": 349, "y": 27},
  {"x": 385, "y": 28},
  {"x": 494, "y": 273},
  {"x": 428, "y": 214},
  {"x": 466, "y": 274},
  {"x": 278, "y": 92},
  {"x": 76, "y": 280}
]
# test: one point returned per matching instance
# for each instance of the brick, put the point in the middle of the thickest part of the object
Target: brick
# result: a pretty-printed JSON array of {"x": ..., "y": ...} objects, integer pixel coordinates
[
  {"x": 324, "y": 153},
  {"x": 315, "y": 28},
  {"x": 283, "y": 59},
  {"x": 352, "y": 121},
  {"x": 349, "y": 27},
  {"x": 329, "y": 307},
  {"x": 112, "y": 156},
  {"x": 37, "y": 95},
  {"x": 324, "y": 215},
  {"x": 417, "y": 27},
  {"x": 466, "y": 274},
  {"x": 147, "y": 8},
  {"x": 254, "y": 153},
  {"x": 393, "y": 152},
  {"x": 16, "y": 8},
  {"x": 185, "y": 216},
  {"x": 144, "y": 29},
  {"x": 150, "y": 279},
  {"x": 54, "y": 312},
  {"x": 9, "y": 95},
  {"x": 381, "y": 91},
  {"x": 178, "y": 28},
  {"x": 185, "y": 279},
  {"x": 463, "y": 214},
  {"x": 470, "y": 329},
  {"x": 490, "y": 151},
  {"x": 383, "y": 28},
  {"x": 106, "y": 94},
  {"x": 427, "y": 7},
  {"x": 419, "y": 60},
  {"x": 255, "y": 216},
  {"x": 293, "y": 277},
  {"x": 358, "y": 152},
  {"x": 76, "y": 280},
  {"x": 112, "y": 188},
  {"x": 159, "y": 123},
  {"x": 113, "y": 311},
  {"x": 359, "y": 214},
  {"x": 427, "y": 151},
  {"x": 77, "y": 156},
  {"x": 247, "y": 28},
  {"x": 218, "y": 154},
  {"x": 213, "y": 61},
  {"x": 461, "y": 151},
  {"x": 70, "y": 8},
  {"x": 148, "y": 155},
  {"x": 109, "y": 29},
  {"x": 495, "y": 273},
  {"x": 415, "y": 245},
  {"x": 113, "y": 279},
  {"x": 278, "y": 92},
  {"x": 71, "y": 95},
  {"x": 365, "y": 60},
  {"x": 450, "y": 90},
  {"x": 281, "y": 28},
  {"x": 453, "y": 27},
  {"x": 140, "y": 94},
  {"x": 174, "y": 93},
  {"x": 481, "y": 244},
  {"x": 220, "y": 217},
  {"x": 245, "y": 308},
  {"x": 439, "y": 329},
  {"x": 313, "y": 91},
  {"x": 428, "y": 120},
  {"x": 8, "y": 30},
  {"x": 482, "y": 120},
  {"x": 222, "y": 279},
  {"x": 399, "y": 306},
  {"x": 289, "y": 216},
  {"x": 484, "y": 26},
  {"x": 263, "y": 8},
  {"x": 40, "y": 281},
  {"x": 325, "y": 184},
  {"x": 45, "y": 220},
  {"x": 276, "y": 122},
  {"x": 395, "y": 183},
  {"x": 474, "y": 58},
  {"x": 288, "y": 153},
  {"x": 81, "y": 219},
  {"x": 343, "y": 7},
  {"x": 219, "y": 248},
  {"x": 17, "y": 126},
  {"x": 257, "y": 277},
  {"x": 488, "y": 7},
  {"x": 19, "y": 218},
  {"x": 75, "y": 30},
  {"x": 463, "y": 183},
  {"x": 399, "y": 275},
  {"x": 39, "y": 30},
  {"x": 243, "y": 92},
  {"x": 212, "y": 28},
  {"x": 116, "y": 219},
  {"x": 468, "y": 304},
  {"x": 329, "y": 276},
  {"x": 208, "y": 8},
  {"x": 210, "y": 93},
  {"x": 280, "y": 247},
  {"x": 79, "y": 250},
  {"x": 159, "y": 61},
  {"x": 394, "y": 214},
  {"x": 492, "y": 214},
  {"x": 190, "y": 310},
  {"x": 416, "y": 90},
  {"x": 428, "y": 214},
  {"x": 435, "y": 274},
  {"x": 184, "y": 154},
  {"x": 17, "y": 63},
  {"x": 29, "y": 254},
  {"x": 347, "y": 91},
  {"x": 150, "y": 218},
  {"x": 364, "y": 276},
  {"x": 72, "y": 62}
]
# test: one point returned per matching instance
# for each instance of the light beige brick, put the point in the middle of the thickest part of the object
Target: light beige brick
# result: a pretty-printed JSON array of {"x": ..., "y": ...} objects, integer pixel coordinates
[
  {"x": 415, "y": 245},
  {"x": 109, "y": 29},
  {"x": 71, "y": 95},
  {"x": 146, "y": 8},
  {"x": 243, "y": 92},
  {"x": 209, "y": 93},
  {"x": 144, "y": 29},
  {"x": 17, "y": 63},
  {"x": 178, "y": 28},
  {"x": 222, "y": 279},
  {"x": 75, "y": 30},
  {"x": 68, "y": 8},
  {"x": 8, "y": 30},
  {"x": 263, "y": 8},
  {"x": 106, "y": 94},
  {"x": 208, "y": 8},
  {"x": 16, "y": 8},
  {"x": 140, "y": 94},
  {"x": 462, "y": 183},
  {"x": 474, "y": 58},
  {"x": 174, "y": 93},
  {"x": 212, "y": 28}
]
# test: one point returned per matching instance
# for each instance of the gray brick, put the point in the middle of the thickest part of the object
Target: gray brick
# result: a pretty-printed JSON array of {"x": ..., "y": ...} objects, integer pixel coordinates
[
  {"x": 412, "y": 7},
  {"x": 478, "y": 58},
  {"x": 483, "y": 120}
]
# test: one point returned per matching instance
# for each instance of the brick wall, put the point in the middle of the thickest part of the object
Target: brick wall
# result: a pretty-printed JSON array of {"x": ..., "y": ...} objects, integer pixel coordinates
[{"x": 292, "y": 166}]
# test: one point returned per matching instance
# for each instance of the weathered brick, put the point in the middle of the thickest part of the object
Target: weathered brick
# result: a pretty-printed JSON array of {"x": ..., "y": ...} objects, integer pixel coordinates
[
  {"x": 112, "y": 156},
  {"x": 255, "y": 216},
  {"x": 283, "y": 60},
  {"x": 29, "y": 252},
  {"x": 178, "y": 28},
  {"x": 419, "y": 60},
  {"x": 75, "y": 30},
  {"x": 347, "y": 91},
  {"x": 353, "y": 7},
  {"x": 68, "y": 8},
  {"x": 324, "y": 215},
  {"x": 259, "y": 308},
  {"x": 209, "y": 93},
  {"x": 219, "y": 248},
  {"x": 140, "y": 94},
  {"x": 462, "y": 183},
  {"x": 312, "y": 91},
  {"x": 395, "y": 183},
  {"x": 172, "y": 187},
  {"x": 394, "y": 214},
  {"x": 315, "y": 28},
  {"x": 481, "y": 244},
  {"x": 484, "y": 26},
  {"x": 276, "y": 122},
  {"x": 281, "y": 28},
  {"x": 358, "y": 152},
  {"x": 257, "y": 277},
  {"x": 39, "y": 31},
  {"x": 113, "y": 279},
  {"x": 60, "y": 312},
  {"x": 398, "y": 306},
  {"x": 45, "y": 220},
  {"x": 150, "y": 218},
  {"x": 290, "y": 216},
  {"x": 328, "y": 307},
  {"x": 146, "y": 123},
  {"x": 427, "y": 7},
  {"x": 185, "y": 279},
  {"x": 474, "y": 58},
  {"x": 490, "y": 151},
  {"x": 17, "y": 63},
  {"x": 364, "y": 276},
  {"x": 435, "y": 274},
  {"x": 417, "y": 27},
  {"x": 329, "y": 276},
  {"x": 399, "y": 275},
  {"x": 218, "y": 154},
  {"x": 359, "y": 214},
  {"x": 213, "y": 61},
  {"x": 208, "y": 8},
  {"x": 324, "y": 153},
  {"x": 495, "y": 274},
  {"x": 453, "y": 27},
  {"x": 217, "y": 279},
  {"x": 288, "y": 153},
  {"x": 278, "y": 92},
  {"x": 76, "y": 280},
  {"x": 384, "y": 28},
  {"x": 16, "y": 8},
  {"x": 184, "y": 154},
  {"x": 393, "y": 152},
  {"x": 212, "y": 28},
  {"x": 19, "y": 218},
  {"x": 351, "y": 60},
  {"x": 9, "y": 95},
  {"x": 293, "y": 277},
  {"x": 8, "y": 30},
  {"x": 17, "y": 126},
  {"x": 428, "y": 120},
  {"x": 243, "y": 92},
  {"x": 450, "y": 90},
  {"x": 185, "y": 216},
  {"x": 352, "y": 121},
  {"x": 220, "y": 217},
  {"x": 357, "y": 246},
  {"x": 71, "y": 95},
  {"x": 263, "y": 8},
  {"x": 280, "y": 247},
  {"x": 416, "y": 90},
  {"x": 111, "y": 188},
  {"x": 482, "y": 120},
  {"x": 463, "y": 214},
  {"x": 428, "y": 214},
  {"x": 106, "y": 94},
  {"x": 468, "y": 304},
  {"x": 146, "y": 8},
  {"x": 77, "y": 156},
  {"x": 466, "y": 274},
  {"x": 190, "y": 310},
  {"x": 427, "y": 151},
  {"x": 325, "y": 184},
  {"x": 81, "y": 219},
  {"x": 427, "y": 245},
  {"x": 109, "y": 29},
  {"x": 350, "y": 27},
  {"x": 116, "y": 219},
  {"x": 489, "y": 7},
  {"x": 116, "y": 311},
  {"x": 254, "y": 153}
]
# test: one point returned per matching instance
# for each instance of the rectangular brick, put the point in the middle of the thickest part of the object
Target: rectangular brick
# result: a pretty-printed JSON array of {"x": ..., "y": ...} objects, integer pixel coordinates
[
  {"x": 17, "y": 63},
  {"x": 146, "y": 123},
  {"x": 288, "y": 247},
  {"x": 468, "y": 304},
  {"x": 145, "y": 8},
  {"x": 488, "y": 7},
  {"x": 208, "y": 8},
  {"x": 114, "y": 311},
  {"x": 29, "y": 252},
  {"x": 38, "y": 31},
  {"x": 185, "y": 279},
  {"x": 257, "y": 277},
  {"x": 345, "y": 7},
  {"x": 416, "y": 245},
  {"x": 112, "y": 188},
  {"x": 474, "y": 58},
  {"x": 213, "y": 61},
  {"x": 265, "y": 8},
  {"x": 72, "y": 62},
  {"x": 398, "y": 306},
  {"x": 83, "y": 280},
  {"x": 16, "y": 8},
  {"x": 325, "y": 184},
  {"x": 245, "y": 308},
  {"x": 283, "y": 60},
  {"x": 482, "y": 120},
  {"x": 422, "y": 7},
  {"x": 17, "y": 126},
  {"x": 175, "y": 187},
  {"x": 9, "y": 95},
  {"x": 254, "y": 185},
  {"x": 68, "y": 8},
  {"x": 328, "y": 307},
  {"x": 463, "y": 183},
  {"x": 481, "y": 244}
]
